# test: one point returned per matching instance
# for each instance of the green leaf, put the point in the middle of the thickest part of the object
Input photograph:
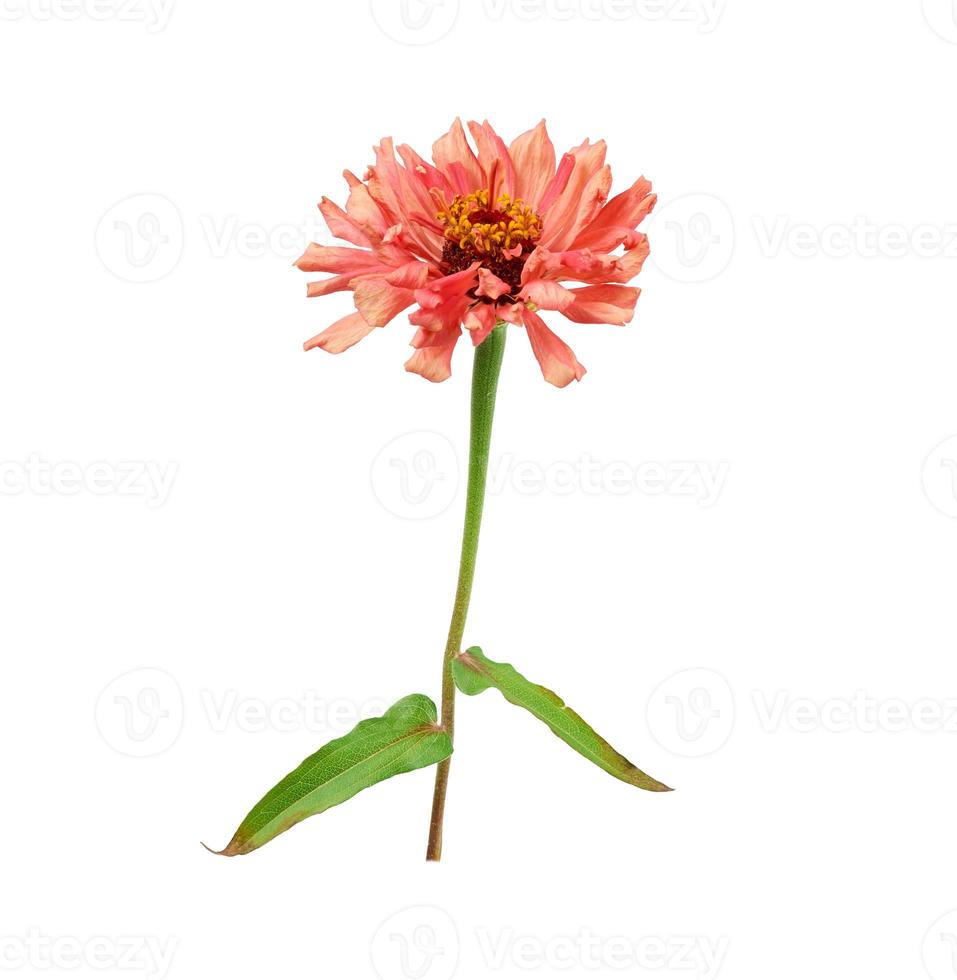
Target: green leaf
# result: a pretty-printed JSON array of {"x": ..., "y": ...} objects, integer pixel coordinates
[
  {"x": 406, "y": 737},
  {"x": 474, "y": 673}
]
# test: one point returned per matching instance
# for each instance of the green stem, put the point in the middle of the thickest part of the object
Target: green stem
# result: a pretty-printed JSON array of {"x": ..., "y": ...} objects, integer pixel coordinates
[{"x": 485, "y": 372}]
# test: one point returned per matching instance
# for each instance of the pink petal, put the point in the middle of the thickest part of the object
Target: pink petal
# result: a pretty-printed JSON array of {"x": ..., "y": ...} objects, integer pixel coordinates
[
  {"x": 412, "y": 275},
  {"x": 337, "y": 258},
  {"x": 557, "y": 360},
  {"x": 603, "y": 304},
  {"x": 433, "y": 357},
  {"x": 490, "y": 285},
  {"x": 341, "y": 225},
  {"x": 448, "y": 287},
  {"x": 379, "y": 302},
  {"x": 480, "y": 320},
  {"x": 583, "y": 210},
  {"x": 341, "y": 335},
  {"x": 533, "y": 156},
  {"x": 558, "y": 184},
  {"x": 560, "y": 217},
  {"x": 586, "y": 266},
  {"x": 547, "y": 295},
  {"x": 615, "y": 223},
  {"x": 494, "y": 159},
  {"x": 363, "y": 210},
  {"x": 427, "y": 176},
  {"x": 326, "y": 286},
  {"x": 453, "y": 155}
]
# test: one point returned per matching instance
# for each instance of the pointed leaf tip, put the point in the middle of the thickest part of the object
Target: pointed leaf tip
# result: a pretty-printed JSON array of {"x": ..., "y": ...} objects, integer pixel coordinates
[
  {"x": 474, "y": 673},
  {"x": 405, "y": 738}
]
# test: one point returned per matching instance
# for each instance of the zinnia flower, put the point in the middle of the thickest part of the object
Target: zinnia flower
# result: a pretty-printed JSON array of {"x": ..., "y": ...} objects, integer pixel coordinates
[{"x": 473, "y": 237}]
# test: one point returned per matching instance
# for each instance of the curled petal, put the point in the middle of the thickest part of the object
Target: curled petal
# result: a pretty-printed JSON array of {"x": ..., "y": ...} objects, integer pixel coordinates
[
  {"x": 585, "y": 265},
  {"x": 433, "y": 356},
  {"x": 448, "y": 287},
  {"x": 341, "y": 335},
  {"x": 480, "y": 321},
  {"x": 491, "y": 286},
  {"x": 559, "y": 365}
]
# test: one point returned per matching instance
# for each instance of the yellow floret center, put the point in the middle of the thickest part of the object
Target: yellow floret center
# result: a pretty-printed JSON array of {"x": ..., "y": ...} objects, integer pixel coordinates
[{"x": 485, "y": 229}]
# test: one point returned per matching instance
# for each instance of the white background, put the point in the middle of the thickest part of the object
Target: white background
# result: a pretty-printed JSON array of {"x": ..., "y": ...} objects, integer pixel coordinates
[{"x": 781, "y": 651}]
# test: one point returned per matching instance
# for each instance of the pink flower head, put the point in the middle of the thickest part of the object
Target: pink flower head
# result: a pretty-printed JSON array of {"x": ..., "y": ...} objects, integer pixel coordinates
[{"x": 478, "y": 235}]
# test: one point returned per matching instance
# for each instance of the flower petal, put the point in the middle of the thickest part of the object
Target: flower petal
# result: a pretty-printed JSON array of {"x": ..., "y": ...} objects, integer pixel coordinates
[
  {"x": 379, "y": 302},
  {"x": 548, "y": 295},
  {"x": 616, "y": 222},
  {"x": 490, "y": 285},
  {"x": 363, "y": 209},
  {"x": 533, "y": 156},
  {"x": 603, "y": 304},
  {"x": 337, "y": 258},
  {"x": 480, "y": 321},
  {"x": 341, "y": 335},
  {"x": 341, "y": 225},
  {"x": 557, "y": 184},
  {"x": 433, "y": 356},
  {"x": 557, "y": 360},
  {"x": 560, "y": 218},
  {"x": 493, "y": 159},
  {"x": 453, "y": 155},
  {"x": 448, "y": 287}
]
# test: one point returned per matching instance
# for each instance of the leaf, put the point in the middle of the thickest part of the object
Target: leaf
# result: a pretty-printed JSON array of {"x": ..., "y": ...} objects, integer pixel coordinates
[
  {"x": 475, "y": 673},
  {"x": 406, "y": 737}
]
